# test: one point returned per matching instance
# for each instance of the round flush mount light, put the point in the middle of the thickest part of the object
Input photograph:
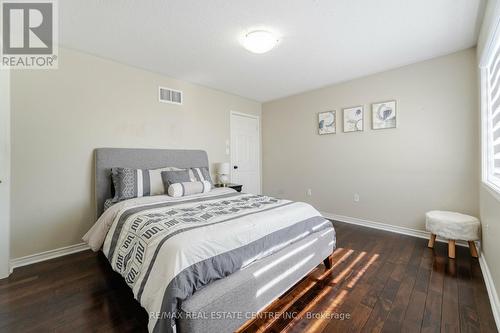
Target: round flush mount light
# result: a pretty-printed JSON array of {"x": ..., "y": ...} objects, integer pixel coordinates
[{"x": 260, "y": 41}]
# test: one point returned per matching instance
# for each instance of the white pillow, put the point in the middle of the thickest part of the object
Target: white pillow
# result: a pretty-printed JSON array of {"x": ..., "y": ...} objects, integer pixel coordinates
[{"x": 188, "y": 188}]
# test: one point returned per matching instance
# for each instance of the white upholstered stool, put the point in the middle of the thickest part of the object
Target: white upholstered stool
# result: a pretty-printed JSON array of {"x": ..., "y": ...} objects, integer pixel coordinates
[{"x": 453, "y": 226}]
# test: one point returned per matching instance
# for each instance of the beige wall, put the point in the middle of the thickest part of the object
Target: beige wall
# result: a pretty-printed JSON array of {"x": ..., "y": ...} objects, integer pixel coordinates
[
  {"x": 489, "y": 201},
  {"x": 429, "y": 162},
  {"x": 60, "y": 116}
]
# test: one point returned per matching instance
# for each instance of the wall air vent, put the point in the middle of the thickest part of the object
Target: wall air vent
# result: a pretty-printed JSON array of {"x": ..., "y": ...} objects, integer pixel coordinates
[{"x": 167, "y": 95}]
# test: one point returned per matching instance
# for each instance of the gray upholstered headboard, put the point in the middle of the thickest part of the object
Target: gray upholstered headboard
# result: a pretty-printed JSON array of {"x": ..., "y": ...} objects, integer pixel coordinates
[{"x": 107, "y": 158}]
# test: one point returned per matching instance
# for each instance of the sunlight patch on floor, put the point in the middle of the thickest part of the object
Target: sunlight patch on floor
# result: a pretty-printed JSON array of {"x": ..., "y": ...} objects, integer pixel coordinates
[
  {"x": 324, "y": 315},
  {"x": 349, "y": 268},
  {"x": 322, "y": 321},
  {"x": 362, "y": 271},
  {"x": 338, "y": 262}
]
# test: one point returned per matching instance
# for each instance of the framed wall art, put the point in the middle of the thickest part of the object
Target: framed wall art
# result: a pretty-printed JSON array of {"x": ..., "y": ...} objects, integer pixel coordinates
[
  {"x": 327, "y": 122},
  {"x": 353, "y": 119},
  {"x": 384, "y": 115}
]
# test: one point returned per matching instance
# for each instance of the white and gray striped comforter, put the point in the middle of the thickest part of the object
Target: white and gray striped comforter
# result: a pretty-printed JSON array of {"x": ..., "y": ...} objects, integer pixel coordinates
[{"x": 166, "y": 248}]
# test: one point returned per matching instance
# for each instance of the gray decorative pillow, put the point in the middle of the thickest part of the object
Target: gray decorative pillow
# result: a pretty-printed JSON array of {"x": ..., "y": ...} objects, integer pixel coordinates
[
  {"x": 173, "y": 177},
  {"x": 125, "y": 183},
  {"x": 200, "y": 175}
]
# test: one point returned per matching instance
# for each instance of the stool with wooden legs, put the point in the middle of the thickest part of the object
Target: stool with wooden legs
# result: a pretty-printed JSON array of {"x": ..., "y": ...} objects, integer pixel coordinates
[{"x": 453, "y": 226}]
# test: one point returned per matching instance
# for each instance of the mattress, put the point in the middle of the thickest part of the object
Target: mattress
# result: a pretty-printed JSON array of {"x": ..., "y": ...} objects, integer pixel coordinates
[{"x": 226, "y": 304}]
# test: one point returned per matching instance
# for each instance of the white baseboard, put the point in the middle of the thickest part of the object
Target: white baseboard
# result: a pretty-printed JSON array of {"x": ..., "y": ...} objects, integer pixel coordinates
[
  {"x": 390, "y": 228},
  {"x": 492, "y": 292},
  {"x": 488, "y": 280},
  {"x": 47, "y": 255}
]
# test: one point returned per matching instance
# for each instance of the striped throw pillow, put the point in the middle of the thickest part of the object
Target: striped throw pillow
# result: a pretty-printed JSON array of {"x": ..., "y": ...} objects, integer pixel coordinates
[{"x": 133, "y": 183}]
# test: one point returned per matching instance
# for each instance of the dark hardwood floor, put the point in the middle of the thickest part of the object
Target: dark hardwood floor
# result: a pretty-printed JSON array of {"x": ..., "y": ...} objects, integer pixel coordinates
[{"x": 383, "y": 282}]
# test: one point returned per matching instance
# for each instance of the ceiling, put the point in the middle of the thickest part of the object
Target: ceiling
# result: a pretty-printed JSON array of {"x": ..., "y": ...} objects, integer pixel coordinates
[{"x": 322, "y": 41}]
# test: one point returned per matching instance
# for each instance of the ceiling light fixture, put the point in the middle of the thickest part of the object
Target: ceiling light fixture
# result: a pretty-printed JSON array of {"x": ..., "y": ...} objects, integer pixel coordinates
[{"x": 260, "y": 41}]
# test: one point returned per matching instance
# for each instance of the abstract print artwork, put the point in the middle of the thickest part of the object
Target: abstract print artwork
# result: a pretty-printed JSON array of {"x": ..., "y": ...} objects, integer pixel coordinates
[
  {"x": 353, "y": 119},
  {"x": 327, "y": 122},
  {"x": 384, "y": 115}
]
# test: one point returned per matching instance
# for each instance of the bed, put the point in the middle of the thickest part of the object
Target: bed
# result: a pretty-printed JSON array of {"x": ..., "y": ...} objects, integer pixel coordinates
[{"x": 206, "y": 262}]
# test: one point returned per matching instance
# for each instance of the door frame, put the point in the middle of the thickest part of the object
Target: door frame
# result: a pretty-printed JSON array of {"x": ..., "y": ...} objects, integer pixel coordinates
[
  {"x": 259, "y": 153},
  {"x": 5, "y": 174}
]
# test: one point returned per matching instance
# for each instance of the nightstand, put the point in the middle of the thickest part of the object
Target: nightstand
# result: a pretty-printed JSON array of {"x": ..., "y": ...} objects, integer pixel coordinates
[{"x": 235, "y": 187}]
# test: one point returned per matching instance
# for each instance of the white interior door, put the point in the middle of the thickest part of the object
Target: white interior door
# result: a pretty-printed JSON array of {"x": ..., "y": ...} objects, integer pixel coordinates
[
  {"x": 4, "y": 173},
  {"x": 245, "y": 151}
]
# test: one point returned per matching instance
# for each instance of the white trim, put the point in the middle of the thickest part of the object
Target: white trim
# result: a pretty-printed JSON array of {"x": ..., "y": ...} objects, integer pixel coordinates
[
  {"x": 47, "y": 255},
  {"x": 390, "y": 228},
  {"x": 494, "y": 191},
  {"x": 5, "y": 172},
  {"x": 493, "y": 29},
  {"x": 492, "y": 292},
  {"x": 484, "y": 124},
  {"x": 487, "y": 127},
  {"x": 258, "y": 118},
  {"x": 237, "y": 113}
]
